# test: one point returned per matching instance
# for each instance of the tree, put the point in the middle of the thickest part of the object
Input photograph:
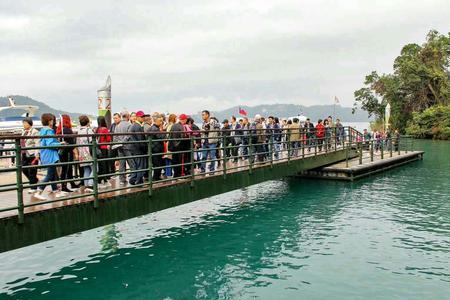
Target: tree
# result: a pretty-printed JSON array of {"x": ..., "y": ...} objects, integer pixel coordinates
[{"x": 421, "y": 79}]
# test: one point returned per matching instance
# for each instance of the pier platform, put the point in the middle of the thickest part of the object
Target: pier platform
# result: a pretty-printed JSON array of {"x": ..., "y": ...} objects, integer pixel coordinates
[{"x": 366, "y": 165}]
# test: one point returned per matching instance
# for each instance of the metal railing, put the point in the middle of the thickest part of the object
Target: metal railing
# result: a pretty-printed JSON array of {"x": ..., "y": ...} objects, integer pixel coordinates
[{"x": 233, "y": 150}]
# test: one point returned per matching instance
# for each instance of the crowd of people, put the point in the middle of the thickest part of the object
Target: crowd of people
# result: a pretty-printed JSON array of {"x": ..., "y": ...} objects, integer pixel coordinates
[{"x": 122, "y": 149}]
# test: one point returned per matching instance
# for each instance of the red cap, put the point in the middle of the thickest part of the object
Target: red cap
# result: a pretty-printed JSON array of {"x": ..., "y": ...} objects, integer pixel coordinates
[
  {"x": 182, "y": 117},
  {"x": 140, "y": 114}
]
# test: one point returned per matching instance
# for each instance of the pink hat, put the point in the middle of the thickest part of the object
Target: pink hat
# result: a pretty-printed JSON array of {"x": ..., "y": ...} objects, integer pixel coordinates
[
  {"x": 140, "y": 114},
  {"x": 182, "y": 117}
]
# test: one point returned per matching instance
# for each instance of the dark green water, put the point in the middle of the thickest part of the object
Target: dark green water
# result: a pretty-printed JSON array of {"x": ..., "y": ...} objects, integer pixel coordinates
[{"x": 385, "y": 237}]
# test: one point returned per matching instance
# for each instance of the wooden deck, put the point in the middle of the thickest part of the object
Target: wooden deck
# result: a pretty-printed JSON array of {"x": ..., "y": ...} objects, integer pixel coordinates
[{"x": 352, "y": 169}]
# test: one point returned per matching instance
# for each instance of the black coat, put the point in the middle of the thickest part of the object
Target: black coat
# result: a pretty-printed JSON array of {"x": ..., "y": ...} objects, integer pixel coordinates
[{"x": 157, "y": 139}]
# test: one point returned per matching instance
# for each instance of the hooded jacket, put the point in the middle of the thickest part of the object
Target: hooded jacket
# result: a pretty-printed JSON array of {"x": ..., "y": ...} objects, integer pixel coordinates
[{"x": 48, "y": 155}]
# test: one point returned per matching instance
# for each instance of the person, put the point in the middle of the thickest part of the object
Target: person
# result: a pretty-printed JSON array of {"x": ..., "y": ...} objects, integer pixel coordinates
[
  {"x": 133, "y": 117},
  {"x": 195, "y": 132},
  {"x": 113, "y": 153},
  {"x": 136, "y": 149},
  {"x": 30, "y": 157},
  {"x": 328, "y": 133},
  {"x": 121, "y": 130},
  {"x": 103, "y": 166},
  {"x": 158, "y": 137},
  {"x": 366, "y": 137},
  {"x": 209, "y": 141},
  {"x": 171, "y": 120},
  {"x": 259, "y": 138},
  {"x": 147, "y": 123},
  {"x": 85, "y": 153},
  {"x": 49, "y": 156},
  {"x": 294, "y": 136},
  {"x": 236, "y": 138},
  {"x": 340, "y": 132},
  {"x": 320, "y": 134},
  {"x": 310, "y": 136},
  {"x": 177, "y": 133},
  {"x": 245, "y": 132},
  {"x": 277, "y": 135},
  {"x": 67, "y": 154},
  {"x": 226, "y": 136}
]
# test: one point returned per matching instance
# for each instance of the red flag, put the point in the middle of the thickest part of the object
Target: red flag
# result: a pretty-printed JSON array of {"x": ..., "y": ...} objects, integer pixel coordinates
[{"x": 242, "y": 112}]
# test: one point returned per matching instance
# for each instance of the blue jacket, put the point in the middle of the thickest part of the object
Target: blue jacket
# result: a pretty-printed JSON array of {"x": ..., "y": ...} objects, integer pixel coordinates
[{"x": 48, "y": 156}]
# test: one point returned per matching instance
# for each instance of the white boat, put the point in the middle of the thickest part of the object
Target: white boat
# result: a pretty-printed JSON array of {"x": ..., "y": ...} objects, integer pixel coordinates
[{"x": 14, "y": 124}]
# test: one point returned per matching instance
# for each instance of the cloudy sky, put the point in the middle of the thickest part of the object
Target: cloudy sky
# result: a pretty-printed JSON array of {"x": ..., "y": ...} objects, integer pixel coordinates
[{"x": 182, "y": 56}]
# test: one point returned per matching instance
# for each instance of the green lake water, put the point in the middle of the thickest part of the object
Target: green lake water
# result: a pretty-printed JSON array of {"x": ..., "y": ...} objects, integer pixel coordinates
[{"x": 384, "y": 237}]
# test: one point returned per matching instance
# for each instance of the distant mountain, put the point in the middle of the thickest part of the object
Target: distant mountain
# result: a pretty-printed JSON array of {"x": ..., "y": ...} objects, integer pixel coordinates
[
  {"x": 290, "y": 110},
  {"x": 22, "y": 100}
]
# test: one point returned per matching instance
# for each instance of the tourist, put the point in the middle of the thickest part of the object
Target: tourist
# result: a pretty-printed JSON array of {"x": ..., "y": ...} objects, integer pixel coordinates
[
  {"x": 30, "y": 157},
  {"x": 320, "y": 134},
  {"x": 236, "y": 138},
  {"x": 310, "y": 134},
  {"x": 157, "y": 134},
  {"x": 67, "y": 154},
  {"x": 85, "y": 153},
  {"x": 277, "y": 135},
  {"x": 137, "y": 147},
  {"x": 113, "y": 153},
  {"x": 133, "y": 117},
  {"x": 177, "y": 133},
  {"x": 196, "y": 133},
  {"x": 103, "y": 166},
  {"x": 210, "y": 132},
  {"x": 121, "y": 136},
  {"x": 171, "y": 120},
  {"x": 294, "y": 136},
  {"x": 49, "y": 156},
  {"x": 328, "y": 133},
  {"x": 340, "y": 132},
  {"x": 259, "y": 138},
  {"x": 226, "y": 137}
]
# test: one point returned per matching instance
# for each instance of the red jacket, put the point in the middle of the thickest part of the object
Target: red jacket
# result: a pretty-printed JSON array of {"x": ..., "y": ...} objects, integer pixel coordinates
[
  {"x": 104, "y": 138},
  {"x": 320, "y": 131}
]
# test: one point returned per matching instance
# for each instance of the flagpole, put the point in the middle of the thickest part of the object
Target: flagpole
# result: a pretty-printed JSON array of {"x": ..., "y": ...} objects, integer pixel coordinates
[{"x": 334, "y": 109}]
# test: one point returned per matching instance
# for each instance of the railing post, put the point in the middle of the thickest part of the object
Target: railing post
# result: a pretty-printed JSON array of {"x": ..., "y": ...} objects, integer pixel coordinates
[
  {"x": 390, "y": 150},
  {"x": 150, "y": 166},
  {"x": 315, "y": 145},
  {"x": 224, "y": 158},
  {"x": 303, "y": 145},
  {"x": 289, "y": 145},
  {"x": 335, "y": 139},
  {"x": 271, "y": 150},
  {"x": 250, "y": 154},
  {"x": 19, "y": 181},
  {"x": 406, "y": 146},
  {"x": 95, "y": 170},
  {"x": 346, "y": 154},
  {"x": 371, "y": 150},
  {"x": 192, "y": 160},
  {"x": 360, "y": 152},
  {"x": 382, "y": 150}
]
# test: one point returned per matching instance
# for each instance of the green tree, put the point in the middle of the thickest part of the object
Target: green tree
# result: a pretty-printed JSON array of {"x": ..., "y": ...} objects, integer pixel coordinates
[{"x": 421, "y": 79}]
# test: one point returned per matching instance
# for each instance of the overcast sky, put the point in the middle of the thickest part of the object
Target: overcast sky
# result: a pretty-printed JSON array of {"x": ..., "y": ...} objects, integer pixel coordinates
[{"x": 183, "y": 56}]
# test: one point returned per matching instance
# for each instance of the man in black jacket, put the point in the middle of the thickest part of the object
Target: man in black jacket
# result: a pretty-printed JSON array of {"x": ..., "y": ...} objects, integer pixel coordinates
[
  {"x": 177, "y": 133},
  {"x": 158, "y": 137},
  {"x": 310, "y": 134},
  {"x": 137, "y": 148}
]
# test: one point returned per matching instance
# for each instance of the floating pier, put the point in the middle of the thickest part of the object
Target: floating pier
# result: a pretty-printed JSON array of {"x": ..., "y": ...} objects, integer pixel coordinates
[{"x": 365, "y": 164}]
